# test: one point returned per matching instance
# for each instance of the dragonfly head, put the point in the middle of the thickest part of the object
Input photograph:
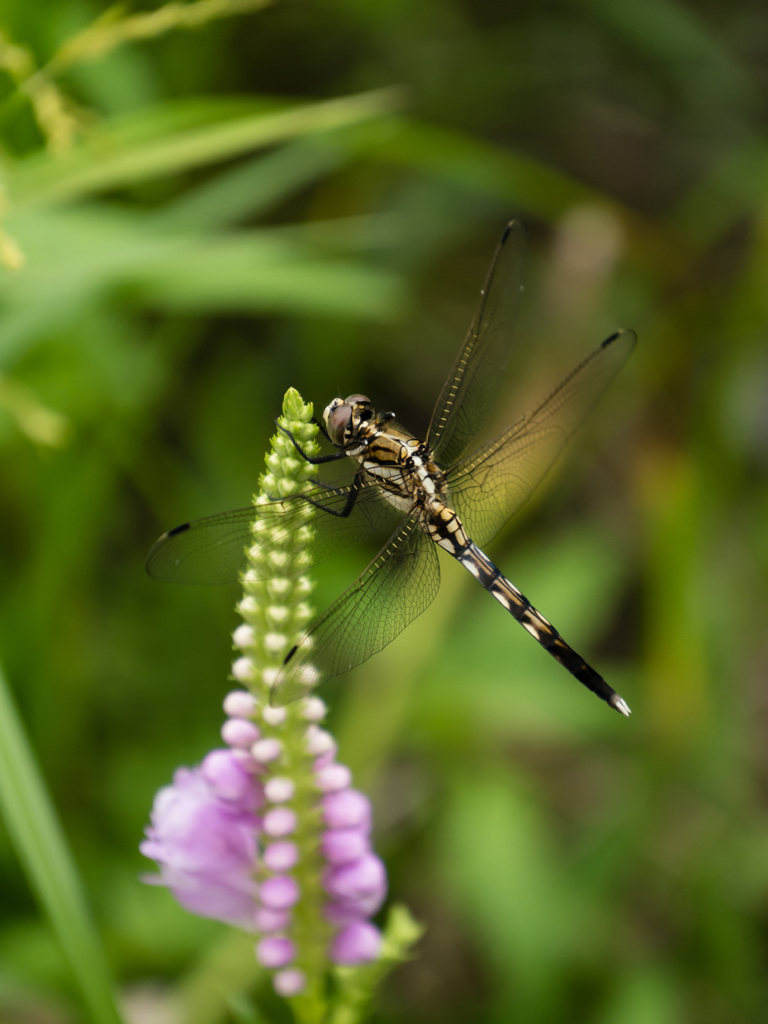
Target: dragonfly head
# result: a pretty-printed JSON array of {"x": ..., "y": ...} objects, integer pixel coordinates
[{"x": 345, "y": 417}]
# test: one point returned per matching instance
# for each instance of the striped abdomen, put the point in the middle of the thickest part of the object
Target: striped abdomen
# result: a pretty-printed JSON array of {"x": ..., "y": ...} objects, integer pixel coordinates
[{"x": 483, "y": 569}]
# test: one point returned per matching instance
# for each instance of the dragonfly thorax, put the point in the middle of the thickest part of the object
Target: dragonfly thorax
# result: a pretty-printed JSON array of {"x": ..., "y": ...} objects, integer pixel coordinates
[{"x": 402, "y": 465}]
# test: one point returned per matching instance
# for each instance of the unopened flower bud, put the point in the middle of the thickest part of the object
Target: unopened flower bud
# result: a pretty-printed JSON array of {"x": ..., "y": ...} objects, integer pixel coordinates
[
  {"x": 274, "y": 716},
  {"x": 314, "y": 709},
  {"x": 239, "y": 704},
  {"x": 243, "y": 636},
  {"x": 278, "y": 587},
  {"x": 280, "y": 821},
  {"x": 281, "y": 856},
  {"x": 267, "y": 920},
  {"x": 229, "y": 779},
  {"x": 239, "y": 732},
  {"x": 364, "y": 877},
  {"x": 347, "y": 809},
  {"x": 242, "y": 670},
  {"x": 333, "y": 778},
  {"x": 341, "y": 912},
  {"x": 275, "y": 951},
  {"x": 267, "y": 750},
  {"x": 279, "y": 789},
  {"x": 275, "y": 643},
  {"x": 279, "y": 893},
  {"x": 289, "y": 982},
  {"x": 246, "y": 761},
  {"x": 357, "y": 943},
  {"x": 344, "y": 845},
  {"x": 319, "y": 741}
]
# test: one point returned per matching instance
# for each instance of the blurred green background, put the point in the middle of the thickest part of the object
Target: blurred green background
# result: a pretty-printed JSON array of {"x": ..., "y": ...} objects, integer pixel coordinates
[{"x": 308, "y": 195}]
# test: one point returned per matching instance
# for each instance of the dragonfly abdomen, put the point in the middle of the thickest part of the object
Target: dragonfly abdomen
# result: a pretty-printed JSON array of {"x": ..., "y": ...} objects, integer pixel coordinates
[{"x": 509, "y": 597}]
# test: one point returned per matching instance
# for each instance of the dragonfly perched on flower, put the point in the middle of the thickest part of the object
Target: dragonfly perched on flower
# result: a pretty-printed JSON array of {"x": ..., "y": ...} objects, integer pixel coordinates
[{"x": 441, "y": 492}]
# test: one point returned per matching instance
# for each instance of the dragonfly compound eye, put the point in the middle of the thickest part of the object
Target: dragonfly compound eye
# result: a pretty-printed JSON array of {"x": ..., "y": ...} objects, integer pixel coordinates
[{"x": 338, "y": 421}]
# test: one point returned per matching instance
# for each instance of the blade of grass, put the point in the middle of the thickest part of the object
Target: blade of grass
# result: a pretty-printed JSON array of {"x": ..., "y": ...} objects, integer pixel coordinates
[
  {"x": 105, "y": 164},
  {"x": 255, "y": 272},
  {"x": 252, "y": 187},
  {"x": 42, "y": 849}
]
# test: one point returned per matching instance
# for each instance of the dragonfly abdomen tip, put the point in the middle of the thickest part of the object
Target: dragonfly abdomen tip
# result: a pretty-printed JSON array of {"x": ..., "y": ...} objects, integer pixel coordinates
[{"x": 620, "y": 705}]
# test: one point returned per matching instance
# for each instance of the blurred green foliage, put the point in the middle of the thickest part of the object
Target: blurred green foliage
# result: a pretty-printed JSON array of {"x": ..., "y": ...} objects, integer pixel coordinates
[{"x": 309, "y": 194}]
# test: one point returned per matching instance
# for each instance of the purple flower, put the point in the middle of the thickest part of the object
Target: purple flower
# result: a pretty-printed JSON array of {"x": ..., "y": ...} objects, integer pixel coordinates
[
  {"x": 203, "y": 836},
  {"x": 358, "y": 889},
  {"x": 280, "y": 821},
  {"x": 212, "y": 839},
  {"x": 347, "y": 808},
  {"x": 364, "y": 877},
  {"x": 239, "y": 732},
  {"x": 344, "y": 845},
  {"x": 275, "y": 951},
  {"x": 279, "y": 892},
  {"x": 342, "y": 912},
  {"x": 333, "y": 777},
  {"x": 281, "y": 856},
  {"x": 267, "y": 920},
  {"x": 241, "y": 703},
  {"x": 228, "y": 776},
  {"x": 289, "y": 983},
  {"x": 356, "y": 943}
]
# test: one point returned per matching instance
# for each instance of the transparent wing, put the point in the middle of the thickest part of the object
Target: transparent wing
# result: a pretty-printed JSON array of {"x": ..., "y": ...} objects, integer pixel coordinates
[
  {"x": 213, "y": 550},
  {"x": 396, "y": 587},
  {"x": 475, "y": 378},
  {"x": 489, "y": 485}
]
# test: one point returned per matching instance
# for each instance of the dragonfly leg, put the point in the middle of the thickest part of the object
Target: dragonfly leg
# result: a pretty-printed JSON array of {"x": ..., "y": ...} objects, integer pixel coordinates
[
  {"x": 352, "y": 496},
  {"x": 314, "y": 460},
  {"x": 509, "y": 597},
  {"x": 321, "y": 427}
]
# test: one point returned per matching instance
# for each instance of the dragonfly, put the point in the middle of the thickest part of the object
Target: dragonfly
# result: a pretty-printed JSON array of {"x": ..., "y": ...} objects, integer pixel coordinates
[{"x": 445, "y": 492}]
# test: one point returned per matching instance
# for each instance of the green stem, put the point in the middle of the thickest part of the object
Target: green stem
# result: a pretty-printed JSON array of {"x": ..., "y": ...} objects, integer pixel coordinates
[{"x": 310, "y": 931}]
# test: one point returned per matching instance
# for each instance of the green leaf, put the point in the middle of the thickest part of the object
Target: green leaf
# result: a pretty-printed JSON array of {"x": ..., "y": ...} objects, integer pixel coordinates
[
  {"x": 252, "y": 187},
  {"x": 76, "y": 256},
  {"x": 502, "y": 869},
  {"x": 108, "y": 161},
  {"x": 42, "y": 849},
  {"x": 252, "y": 271}
]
